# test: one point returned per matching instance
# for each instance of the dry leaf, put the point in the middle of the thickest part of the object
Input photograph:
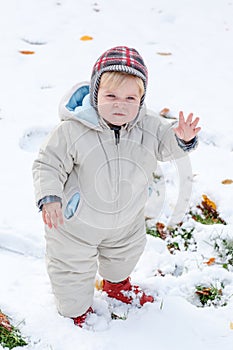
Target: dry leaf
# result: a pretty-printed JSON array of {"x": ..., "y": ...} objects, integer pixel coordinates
[
  {"x": 227, "y": 182},
  {"x": 166, "y": 113},
  {"x": 164, "y": 53},
  {"x": 27, "y": 52},
  {"x": 231, "y": 325},
  {"x": 99, "y": 284},
  {"x": 160, "y": 227},
  {"x": 86, "y": 38},
  {"x": 204, "y": 291},
  {"x": 211, "y": 261},
  {"x": 207, "y": 201},
  {"x": 4, "y": 322}
]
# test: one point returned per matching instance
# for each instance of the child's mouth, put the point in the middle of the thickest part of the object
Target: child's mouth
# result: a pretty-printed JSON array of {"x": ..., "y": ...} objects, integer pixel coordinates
[{"x": 119, "y": 114}]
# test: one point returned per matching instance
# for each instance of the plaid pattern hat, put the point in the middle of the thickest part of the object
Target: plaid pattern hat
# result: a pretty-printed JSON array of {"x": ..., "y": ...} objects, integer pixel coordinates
[{"x": 118, "y": 59}]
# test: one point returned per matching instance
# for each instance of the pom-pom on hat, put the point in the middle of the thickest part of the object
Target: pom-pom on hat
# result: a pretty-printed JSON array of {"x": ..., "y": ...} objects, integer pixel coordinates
[{"x": 118, "y": 59}]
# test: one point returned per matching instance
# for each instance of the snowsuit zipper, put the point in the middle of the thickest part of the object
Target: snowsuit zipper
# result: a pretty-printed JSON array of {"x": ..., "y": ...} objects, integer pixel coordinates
[{"x": 116, "y": 130}]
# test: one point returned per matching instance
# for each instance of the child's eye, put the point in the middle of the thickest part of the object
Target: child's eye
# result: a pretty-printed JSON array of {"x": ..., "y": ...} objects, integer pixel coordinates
[
  {"x": 131, "y": 98},
  {"x": 110, "y": 95}
]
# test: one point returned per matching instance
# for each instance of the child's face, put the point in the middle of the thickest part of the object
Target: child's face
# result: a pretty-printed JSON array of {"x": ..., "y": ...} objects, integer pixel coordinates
[{"x": 119, "y": 105}]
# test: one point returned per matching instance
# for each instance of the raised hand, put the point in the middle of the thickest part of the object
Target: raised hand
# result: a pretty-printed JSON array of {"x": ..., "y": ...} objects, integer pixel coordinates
[{"x": 187, "y": 129}]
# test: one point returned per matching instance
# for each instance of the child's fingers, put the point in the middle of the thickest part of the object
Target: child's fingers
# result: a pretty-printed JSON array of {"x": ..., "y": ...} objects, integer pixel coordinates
[
  {"x": 60, "y": 216},
  {"x": 57, "y": 218},
  {"x": 181, "y": 118},
  {"x": 47, "y": 220},
  {"x": 197, "y": 130},
  {"x": 189, "y": 119},
  {"x": 195, "y": 122},
  {"x": 44, "y": 216},
  {"x": 54, "y": 218},
  {"x": 52, "y": 214}
]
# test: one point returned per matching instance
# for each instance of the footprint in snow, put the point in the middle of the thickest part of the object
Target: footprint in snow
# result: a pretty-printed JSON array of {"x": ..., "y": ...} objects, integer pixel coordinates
[{"x": 33, "y": 138}]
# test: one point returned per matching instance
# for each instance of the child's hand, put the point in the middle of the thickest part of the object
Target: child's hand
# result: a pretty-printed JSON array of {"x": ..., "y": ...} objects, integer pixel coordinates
[
  {"x": 187, "y": 130},
  {"x": 52, "y": 214}
]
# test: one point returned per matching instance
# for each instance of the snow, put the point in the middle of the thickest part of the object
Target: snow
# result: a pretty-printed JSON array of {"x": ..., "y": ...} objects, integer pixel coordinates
[{"x": 196, "y": 77}]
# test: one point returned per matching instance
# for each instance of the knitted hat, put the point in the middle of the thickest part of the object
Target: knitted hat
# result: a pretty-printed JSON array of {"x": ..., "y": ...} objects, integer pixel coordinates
[{"x": 118, "y": 59}]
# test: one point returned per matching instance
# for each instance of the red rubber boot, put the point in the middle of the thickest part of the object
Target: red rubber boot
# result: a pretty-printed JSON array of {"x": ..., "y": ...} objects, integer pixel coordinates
[
  {"x": 126, "y": 292},
  {"x": 80, "y": 320}
]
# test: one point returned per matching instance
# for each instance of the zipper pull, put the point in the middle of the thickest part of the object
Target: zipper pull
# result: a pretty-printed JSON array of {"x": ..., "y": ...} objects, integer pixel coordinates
[{"x": 116, "y": 129}]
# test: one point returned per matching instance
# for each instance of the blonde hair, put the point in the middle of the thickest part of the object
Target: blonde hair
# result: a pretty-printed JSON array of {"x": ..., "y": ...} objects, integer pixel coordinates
[{"x": 115, "y": 79}]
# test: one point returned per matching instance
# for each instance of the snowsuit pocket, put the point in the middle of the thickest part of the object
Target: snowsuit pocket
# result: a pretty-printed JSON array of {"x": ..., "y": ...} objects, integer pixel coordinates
[{"x": 72, "y": 206}]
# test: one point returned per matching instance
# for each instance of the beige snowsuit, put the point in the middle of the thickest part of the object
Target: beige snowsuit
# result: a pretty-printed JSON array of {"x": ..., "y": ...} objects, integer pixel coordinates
[{"x": 107, "y": 230}]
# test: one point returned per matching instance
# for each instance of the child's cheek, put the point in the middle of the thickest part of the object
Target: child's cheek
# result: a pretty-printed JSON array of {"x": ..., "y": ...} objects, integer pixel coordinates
[{"x": 104, "y": 109}]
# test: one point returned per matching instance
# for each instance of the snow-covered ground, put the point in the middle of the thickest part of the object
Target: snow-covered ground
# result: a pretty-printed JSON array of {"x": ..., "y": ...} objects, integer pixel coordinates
[{"x": 187, "y": 46}]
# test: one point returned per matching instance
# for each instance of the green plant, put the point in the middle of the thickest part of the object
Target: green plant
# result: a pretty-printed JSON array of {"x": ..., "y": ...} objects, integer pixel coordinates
[
  {"x": 206, "y": 213},
  {"x": 10, "y": 336},
  {"x": 152, "y": 232},
  {"x": 224, "y": 248},
  {"x": 11, "y": 339},
  {"x": 185, "y": 237},
  {"x": 177, "y": 237},
  {"x": 211, "y": 295},
  {"x": 118, "y": 317}
]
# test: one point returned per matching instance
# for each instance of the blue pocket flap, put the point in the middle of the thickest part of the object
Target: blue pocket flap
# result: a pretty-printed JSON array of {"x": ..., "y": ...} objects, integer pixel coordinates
[{"x": 72, "y": 205}]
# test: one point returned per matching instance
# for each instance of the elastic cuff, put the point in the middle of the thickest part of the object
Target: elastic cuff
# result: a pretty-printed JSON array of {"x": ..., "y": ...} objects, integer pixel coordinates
[
  {"x": 48, "y": 199},
  {"x": 187, "y": 146}
]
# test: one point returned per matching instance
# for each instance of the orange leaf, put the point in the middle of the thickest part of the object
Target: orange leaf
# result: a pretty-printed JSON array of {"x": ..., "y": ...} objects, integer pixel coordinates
[
  {"x": 209, "y": 202},
  {"x": 166, "y": 113},
  {"x": 204, "y": 291},
  {"x": 227, "y": 182},
  {"x": 86, "y": 38},
  {"x": 99, "y": 284},
  {"x": 27, "y": 52},
  {"x": 231, "y": 325},
  {"x": 211, "y": 261}
]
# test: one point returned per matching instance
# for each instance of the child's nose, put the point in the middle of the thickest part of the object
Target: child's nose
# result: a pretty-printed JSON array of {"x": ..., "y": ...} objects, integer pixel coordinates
[{"x": 119, "y": 103}]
